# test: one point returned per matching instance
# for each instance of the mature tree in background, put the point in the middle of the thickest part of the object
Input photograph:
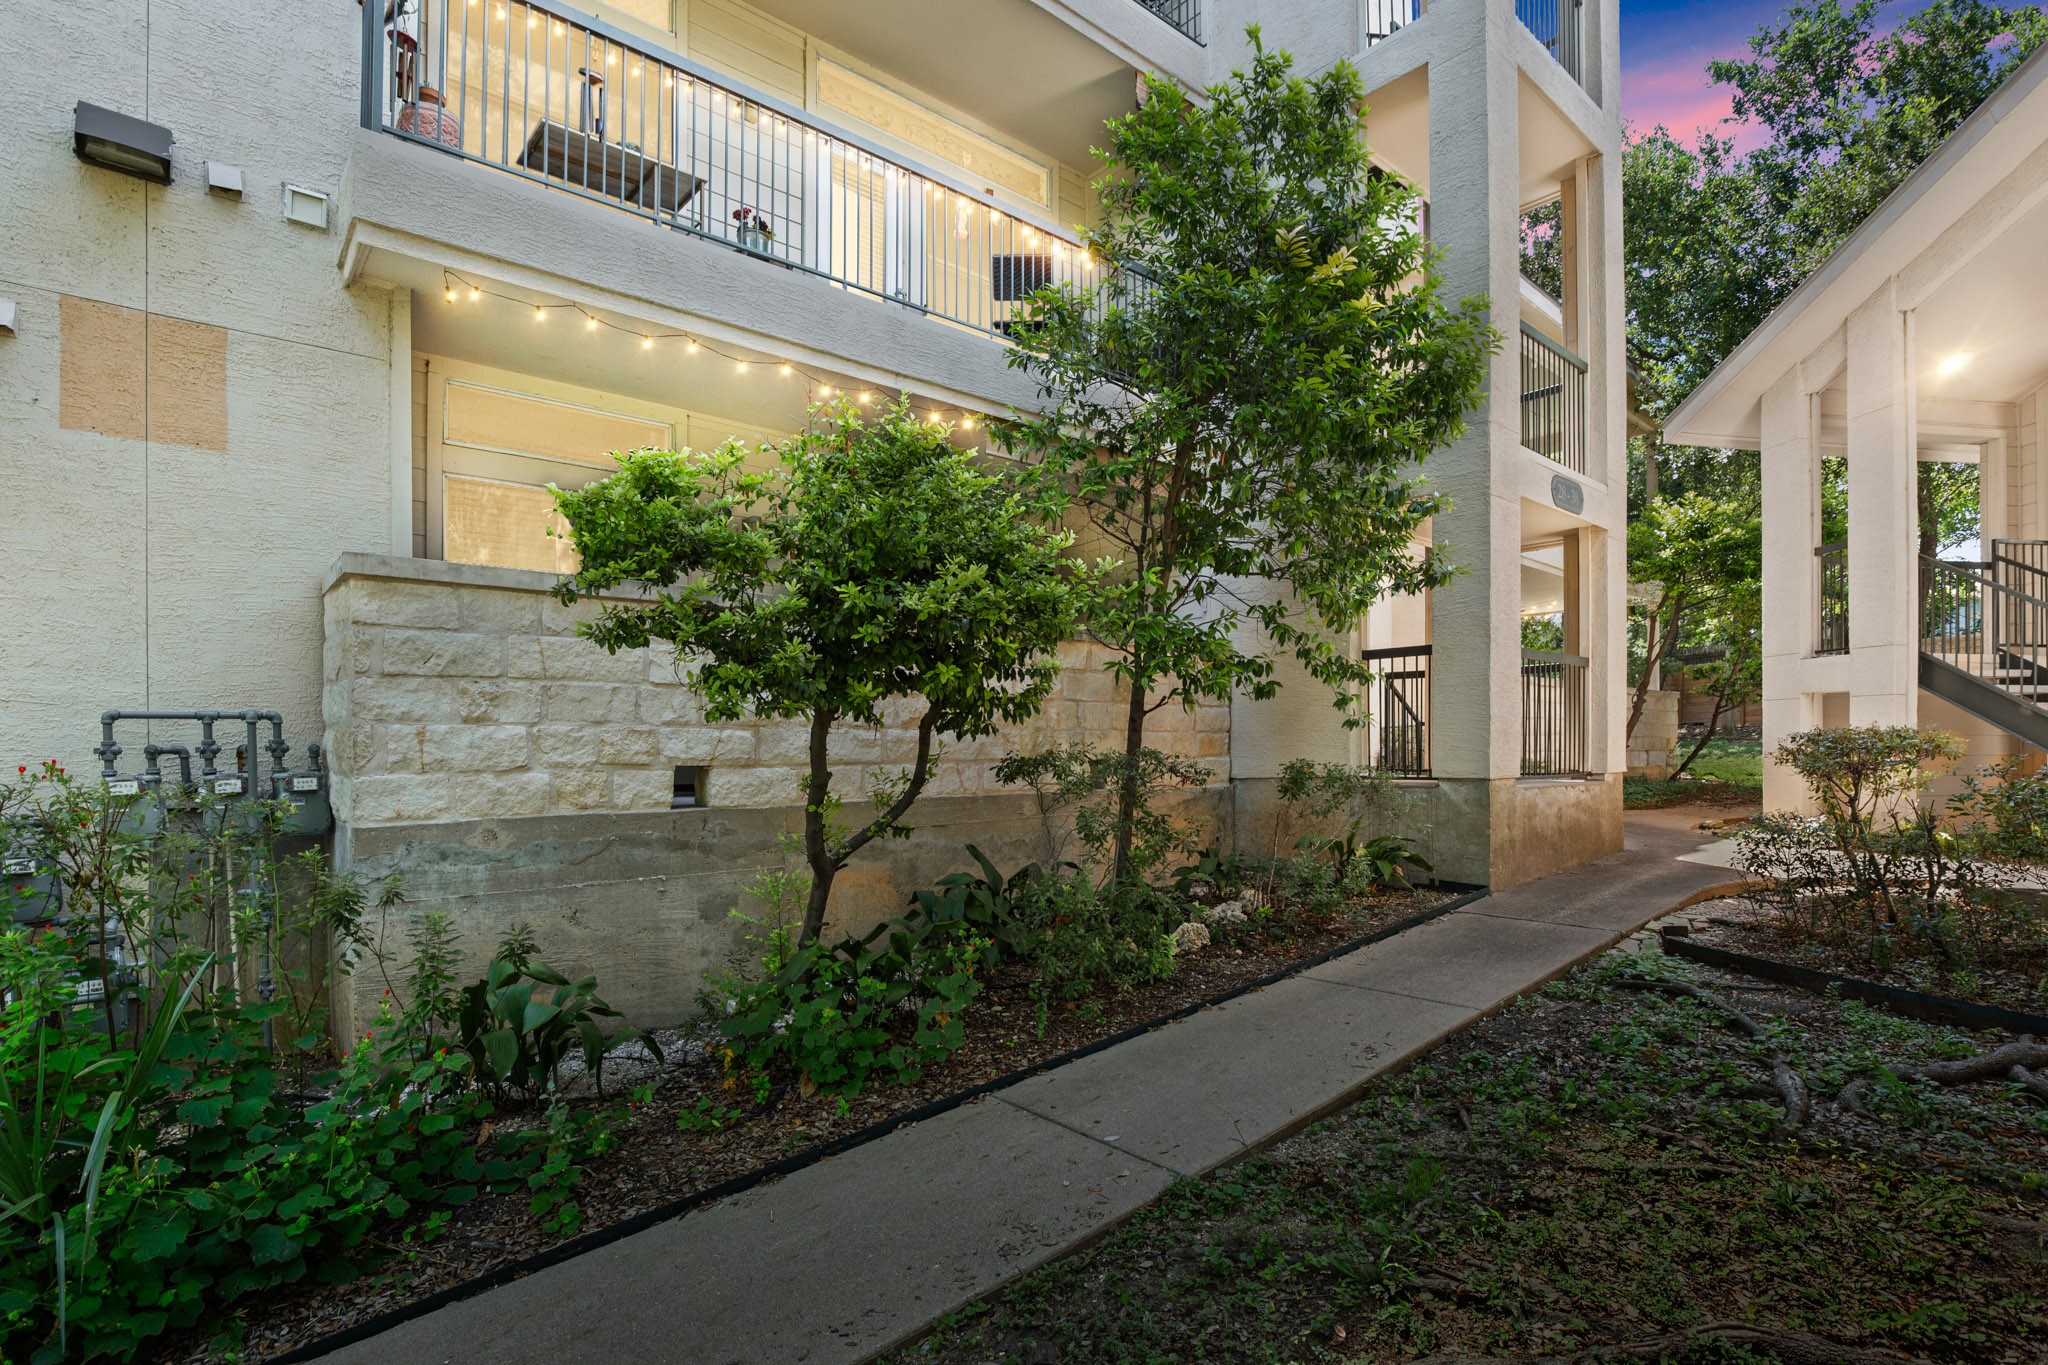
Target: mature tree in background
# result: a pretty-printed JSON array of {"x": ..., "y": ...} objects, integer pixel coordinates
[
  {"x": 1850, "y": 103},
  {"x": 1249, "y": 396},
  {"x": 871, "y": 562},
  {"x": 1701, "y": 559}
]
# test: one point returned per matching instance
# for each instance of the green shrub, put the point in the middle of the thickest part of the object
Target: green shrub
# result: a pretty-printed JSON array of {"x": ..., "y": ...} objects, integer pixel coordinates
[
  {"x": 1088, "y": 781},
  {"x": 516, "y": 1041},
  {"x": 1085, "y": 939}
]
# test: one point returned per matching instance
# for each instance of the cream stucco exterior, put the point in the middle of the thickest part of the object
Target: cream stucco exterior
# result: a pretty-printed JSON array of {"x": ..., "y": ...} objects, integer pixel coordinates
[{"x": 230, "y": 435}]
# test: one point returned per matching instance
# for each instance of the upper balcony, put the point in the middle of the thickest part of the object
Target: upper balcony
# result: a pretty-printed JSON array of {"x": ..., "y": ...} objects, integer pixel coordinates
[
  {"x": 588, "y": 109},
  {"x": 1558, "y": 25}
]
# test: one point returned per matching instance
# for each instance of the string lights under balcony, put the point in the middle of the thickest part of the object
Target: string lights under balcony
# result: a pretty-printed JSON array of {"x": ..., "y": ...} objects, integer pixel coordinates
[{"x": 455, "y": 284}]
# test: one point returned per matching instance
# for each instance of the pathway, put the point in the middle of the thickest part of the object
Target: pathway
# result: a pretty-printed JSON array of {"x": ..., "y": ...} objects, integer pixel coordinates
[{"x": 854, "y": 1255}]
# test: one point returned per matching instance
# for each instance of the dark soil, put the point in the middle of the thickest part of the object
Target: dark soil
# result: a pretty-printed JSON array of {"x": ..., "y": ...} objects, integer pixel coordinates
[
  {"x": 2015, "y": 978},
  {"x": 1594, "y": 1174},
  {"x": 656, "y": 1159}
]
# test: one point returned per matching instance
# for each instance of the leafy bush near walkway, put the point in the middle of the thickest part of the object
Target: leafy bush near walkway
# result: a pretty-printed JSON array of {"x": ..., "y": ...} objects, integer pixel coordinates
[
  {"x": 171, "y": 1140},
  {"x": 1887, "y": 872}
]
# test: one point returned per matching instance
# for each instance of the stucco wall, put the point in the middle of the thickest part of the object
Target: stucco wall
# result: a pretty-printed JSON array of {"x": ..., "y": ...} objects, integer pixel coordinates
[{"x": 184, "y": 465}]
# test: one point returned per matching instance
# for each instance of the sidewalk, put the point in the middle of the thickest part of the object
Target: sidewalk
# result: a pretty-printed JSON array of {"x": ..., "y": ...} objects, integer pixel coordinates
[{"x": 851, "y": 1256}]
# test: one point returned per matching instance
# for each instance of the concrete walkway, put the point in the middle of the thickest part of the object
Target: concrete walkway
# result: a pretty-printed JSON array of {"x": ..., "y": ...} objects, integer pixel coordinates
[{"x": 854, "y": 1255}]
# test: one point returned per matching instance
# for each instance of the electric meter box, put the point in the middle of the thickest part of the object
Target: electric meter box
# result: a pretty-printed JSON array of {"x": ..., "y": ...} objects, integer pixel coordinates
[{"x": 30, "y": 886}]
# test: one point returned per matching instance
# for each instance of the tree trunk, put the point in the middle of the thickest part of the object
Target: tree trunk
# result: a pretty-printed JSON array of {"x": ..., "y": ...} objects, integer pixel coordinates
[
  {"x": 1127, "y": 788},
  {"x": 1713, "y": 725},
  {"x": 822, "y": 864}
]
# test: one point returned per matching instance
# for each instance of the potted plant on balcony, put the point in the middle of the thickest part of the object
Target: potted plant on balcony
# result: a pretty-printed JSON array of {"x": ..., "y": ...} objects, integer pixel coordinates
[{"x": 755, "y": 230}]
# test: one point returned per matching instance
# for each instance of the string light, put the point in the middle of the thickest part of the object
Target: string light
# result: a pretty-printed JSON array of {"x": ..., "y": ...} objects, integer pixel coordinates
[{"x": 452, "y": 282}]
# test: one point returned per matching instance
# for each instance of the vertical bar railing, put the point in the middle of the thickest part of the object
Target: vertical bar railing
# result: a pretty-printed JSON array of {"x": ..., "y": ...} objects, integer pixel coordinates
[
  {"x": 1559, "y": 26},
  {"x": 1553, "y": 400},
  {"x": 1384, "y": 18},
  {"x": 1397, "y": 714},
  {"x": 1184, "y": 15},
  {"x": 571, "y": 102},
  {"x": 1831, "y": 605},
  {"x": 1553, "y": 714}
]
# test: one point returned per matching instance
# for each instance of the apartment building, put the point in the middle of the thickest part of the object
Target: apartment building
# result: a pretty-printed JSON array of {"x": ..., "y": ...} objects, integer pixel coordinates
[
  {"x": 300, "y": 312},
  {"x": 1920, "y": 341}
]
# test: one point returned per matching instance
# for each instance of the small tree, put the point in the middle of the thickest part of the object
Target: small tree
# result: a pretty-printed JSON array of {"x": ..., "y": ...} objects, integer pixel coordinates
[
  {"x": 1248, "y": 393},
  {"x": 872, "y": 562}
]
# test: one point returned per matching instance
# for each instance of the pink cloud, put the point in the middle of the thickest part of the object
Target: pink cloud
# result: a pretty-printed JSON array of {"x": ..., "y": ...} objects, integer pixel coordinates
[{"x": 1674, "y": 91}]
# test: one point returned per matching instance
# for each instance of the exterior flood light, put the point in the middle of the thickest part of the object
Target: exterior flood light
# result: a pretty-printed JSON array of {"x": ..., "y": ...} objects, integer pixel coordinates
[{"x": 120, "y": 143}]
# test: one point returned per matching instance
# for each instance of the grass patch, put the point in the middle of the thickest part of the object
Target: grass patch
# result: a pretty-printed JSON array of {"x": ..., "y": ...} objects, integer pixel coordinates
[
  {"x": 1729, "y": 772},
  {"x": 1592, "y": 1170}
]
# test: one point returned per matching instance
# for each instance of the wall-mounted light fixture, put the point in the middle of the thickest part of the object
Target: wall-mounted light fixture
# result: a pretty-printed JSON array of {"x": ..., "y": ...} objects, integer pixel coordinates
[
  {"x": 121, "y": 143},
  {"x": 7, "y": 317}
]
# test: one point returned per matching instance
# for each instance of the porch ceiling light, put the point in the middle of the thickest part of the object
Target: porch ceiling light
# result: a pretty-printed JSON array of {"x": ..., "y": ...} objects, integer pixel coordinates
[
  {"x": 1960, "y": 360},
  {"x": 121, "y": 143}
]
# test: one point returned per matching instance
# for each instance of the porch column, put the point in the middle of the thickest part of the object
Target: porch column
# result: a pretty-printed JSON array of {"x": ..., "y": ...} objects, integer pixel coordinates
[
  {"x": 1791, "y": 528},
  {"x": 1884, "y": 570}
]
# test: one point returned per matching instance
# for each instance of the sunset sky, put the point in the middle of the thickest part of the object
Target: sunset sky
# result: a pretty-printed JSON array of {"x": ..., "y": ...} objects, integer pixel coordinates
[{"x": 1665, "y": 48}]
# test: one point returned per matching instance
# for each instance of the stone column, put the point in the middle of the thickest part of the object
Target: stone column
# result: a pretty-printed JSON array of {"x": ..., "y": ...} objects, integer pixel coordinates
[{"x": 1884, "y": 571}]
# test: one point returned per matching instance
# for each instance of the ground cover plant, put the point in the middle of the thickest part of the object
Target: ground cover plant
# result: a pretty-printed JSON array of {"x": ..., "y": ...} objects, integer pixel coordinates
[
  {"x": 1604, "y": 1171},
  {"x": 727, "y": 1098},
  {"x": 177, "y": 1133}
]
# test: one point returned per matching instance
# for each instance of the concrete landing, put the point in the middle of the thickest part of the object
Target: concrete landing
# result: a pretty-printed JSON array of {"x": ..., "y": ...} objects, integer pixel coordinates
[{"x": 852, "y": 1256}]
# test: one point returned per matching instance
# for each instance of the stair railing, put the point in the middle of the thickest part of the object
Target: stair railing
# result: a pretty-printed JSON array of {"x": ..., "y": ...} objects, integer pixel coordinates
[{"x": 1974, "y": 620}]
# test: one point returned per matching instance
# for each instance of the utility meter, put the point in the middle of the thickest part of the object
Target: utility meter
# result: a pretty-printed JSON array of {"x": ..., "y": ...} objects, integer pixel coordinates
[
  {"x": 228, "y": 784},
  {"x": 306, "y": 789},
  {"x": 30, "y": 886}
]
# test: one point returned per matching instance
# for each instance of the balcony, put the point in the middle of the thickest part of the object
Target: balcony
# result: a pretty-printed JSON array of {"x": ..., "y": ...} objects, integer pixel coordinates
[
  {"x": 1184, "y": 15},
  {"x": 1553, "y": 400},
  {"x": 1382, "y": 19},
  {"x": 571, "y": 103}
]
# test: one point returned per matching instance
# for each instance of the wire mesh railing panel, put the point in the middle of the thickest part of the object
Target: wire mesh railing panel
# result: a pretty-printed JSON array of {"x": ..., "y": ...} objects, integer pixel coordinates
[
  {"x": 1831, "y": 609},
  {"x": 577, "y": 105},
  {"x": 1553, "y": 400},
  {"x": 1397, "y": 720},
  {"x": 1553, "y": 714}
]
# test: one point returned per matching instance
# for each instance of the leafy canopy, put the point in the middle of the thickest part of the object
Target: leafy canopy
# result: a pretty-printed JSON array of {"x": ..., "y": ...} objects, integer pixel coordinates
[
  {"x": 1249, "y": 395},
  {"x": 868, "y": 563}
]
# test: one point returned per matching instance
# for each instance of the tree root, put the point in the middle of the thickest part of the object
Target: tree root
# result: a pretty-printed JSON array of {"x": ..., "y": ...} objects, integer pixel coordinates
[
  {"x": 2014, "y": 1061},
  {"x": 1793, "y": 1348},
  {"x": 1788, "y": 1083}
]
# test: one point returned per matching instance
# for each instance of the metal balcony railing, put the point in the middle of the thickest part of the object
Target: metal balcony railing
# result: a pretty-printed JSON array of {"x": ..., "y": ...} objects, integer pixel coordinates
[
  {"x": 1397, "y": 720},
  {"x": 1384, "y": 18},
  {"x": 1559, "y": 26},
  {"x": 1553, "y": 400},
  {"x": 1185, "y": 15},
  {"x": 1831, "y": 615},
  {"x": 565, "y": 100},
  {"x": 1553, "y": 714}
]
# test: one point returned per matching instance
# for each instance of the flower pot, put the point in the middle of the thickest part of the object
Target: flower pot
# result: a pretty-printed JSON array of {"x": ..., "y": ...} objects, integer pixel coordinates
[
  {"x": 756, "y": 239},
  {"x": 427, "y": 118}
]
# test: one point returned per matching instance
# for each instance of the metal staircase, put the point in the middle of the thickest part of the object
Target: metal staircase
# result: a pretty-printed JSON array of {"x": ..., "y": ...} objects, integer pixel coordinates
[{"x": 1984, "y": 636}]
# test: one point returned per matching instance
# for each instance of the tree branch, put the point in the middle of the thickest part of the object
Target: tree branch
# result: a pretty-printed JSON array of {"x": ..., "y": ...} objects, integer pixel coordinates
[{"x": 920, "y": 771}]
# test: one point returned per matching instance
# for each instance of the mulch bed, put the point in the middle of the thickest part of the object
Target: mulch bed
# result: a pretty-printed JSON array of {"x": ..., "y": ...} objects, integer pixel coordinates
[
  {"x": 2017, "y": 980},
  {"x": 657, "y": 1160}
]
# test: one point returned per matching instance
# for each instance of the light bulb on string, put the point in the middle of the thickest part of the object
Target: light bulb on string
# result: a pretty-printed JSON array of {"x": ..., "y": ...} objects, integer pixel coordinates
[
  {"x": 451, "y": 293},
  {"x": 540, "y": 314},
  {"x": 692, "y": 347},
  {"x": 589, "y": 323},
  {"x": 646, "y": 343},
  {"x": 475, "y": 293},
  {"x": 741, "y": 366},
  {"x": 865, "y": 397},
  {"x": 786, "y": 370}
]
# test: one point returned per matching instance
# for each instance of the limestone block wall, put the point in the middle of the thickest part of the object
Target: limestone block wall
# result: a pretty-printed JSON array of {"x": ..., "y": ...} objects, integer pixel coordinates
[
  {"x": 455, "y": 691},
  {"x": 1652, "y": 743},
  {"x": 512, "y": 772}
]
